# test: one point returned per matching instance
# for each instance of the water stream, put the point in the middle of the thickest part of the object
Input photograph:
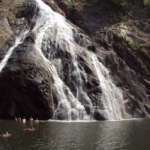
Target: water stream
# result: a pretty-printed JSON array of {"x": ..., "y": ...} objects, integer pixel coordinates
[{"x": 18, "y": 41}]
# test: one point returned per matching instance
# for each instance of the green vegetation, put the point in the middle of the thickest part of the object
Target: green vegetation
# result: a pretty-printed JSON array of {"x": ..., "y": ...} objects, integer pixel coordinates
[
  {"x": 147, "y": 2},
  {"x": 126, "y": 2}
]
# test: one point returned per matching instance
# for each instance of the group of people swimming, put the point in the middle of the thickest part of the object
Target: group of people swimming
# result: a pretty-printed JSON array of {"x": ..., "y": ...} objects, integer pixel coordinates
[{"x": 24, "y": 121}]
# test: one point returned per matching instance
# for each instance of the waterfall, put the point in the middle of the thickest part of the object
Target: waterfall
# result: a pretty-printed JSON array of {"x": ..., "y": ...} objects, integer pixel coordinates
[
  {"x": 18, "y": 41},
  {"x": 112, "y": 97},
  {"x": 55, "y": 23},
  {"x": 51, "y": 27},
  {"x": 55, "y": 35}
]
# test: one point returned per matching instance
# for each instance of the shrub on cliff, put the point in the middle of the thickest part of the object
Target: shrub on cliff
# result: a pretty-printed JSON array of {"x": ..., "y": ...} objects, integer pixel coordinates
[{"x": 147, "y": 2}]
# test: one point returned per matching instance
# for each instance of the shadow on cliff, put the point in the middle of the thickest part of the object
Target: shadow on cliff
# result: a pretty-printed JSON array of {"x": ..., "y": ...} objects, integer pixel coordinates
[{"x": 92, "y": 16}]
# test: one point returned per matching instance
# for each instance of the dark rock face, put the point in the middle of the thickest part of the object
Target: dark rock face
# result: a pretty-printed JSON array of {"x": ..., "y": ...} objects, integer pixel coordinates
[
  {"x": 99, "y": 115},
  {"x": 26, "y": 86},
  {"x": 23, "y": 97}
]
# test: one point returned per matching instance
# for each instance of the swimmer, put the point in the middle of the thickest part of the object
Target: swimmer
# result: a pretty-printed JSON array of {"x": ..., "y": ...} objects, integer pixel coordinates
[
  {"x": 6, "y": 135},
  {"x": 24, "y": 120},
  {"x": 29, "y": 129},
  {"x": 36, "y": 121}
]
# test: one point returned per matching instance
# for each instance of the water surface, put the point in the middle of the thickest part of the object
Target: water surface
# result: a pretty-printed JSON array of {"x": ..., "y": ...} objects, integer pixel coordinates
[{"x": 122, "y": 135}]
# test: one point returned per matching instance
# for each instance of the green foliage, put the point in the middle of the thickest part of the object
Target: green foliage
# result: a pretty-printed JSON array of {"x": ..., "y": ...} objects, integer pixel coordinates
[
  {"x": 121, "y": 2},
  {"x": 147, "y": 2},
  {"x": 126, "y": 2}
]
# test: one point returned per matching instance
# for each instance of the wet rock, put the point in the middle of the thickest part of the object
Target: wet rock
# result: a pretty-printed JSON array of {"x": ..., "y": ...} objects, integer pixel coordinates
[
  {"x": 98, "y": 115},
  {"x": 74, "y": 115},
  {"x": 61, "y": 112},
  {"x": 29, "y": 84}
]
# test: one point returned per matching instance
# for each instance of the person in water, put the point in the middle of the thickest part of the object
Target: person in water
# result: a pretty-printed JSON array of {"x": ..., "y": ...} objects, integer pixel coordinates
[
  {"x": 31, "y": 120},
  {"x": 24, "y": 120},
  {"x": 36, "y": 121},
  {"x": 16, "y": 119},
  {"x": 29, "y": 129},
  {"x": 19, "y": 119},
  {"x": 6, "y": 135}
]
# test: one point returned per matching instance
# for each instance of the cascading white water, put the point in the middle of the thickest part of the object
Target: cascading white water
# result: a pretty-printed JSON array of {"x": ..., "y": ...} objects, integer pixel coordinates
[
  {"x": 51, "y": 26},
  {"x": 56, "y": 29},
  {"x": 55, "y": 23},
  {"x": 18, "y": 41},
  {"x": 112, "y": 97}
]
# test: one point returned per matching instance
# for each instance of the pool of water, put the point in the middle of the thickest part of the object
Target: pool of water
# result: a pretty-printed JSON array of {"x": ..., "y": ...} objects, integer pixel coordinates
[{"x": 107, "y": 135}]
